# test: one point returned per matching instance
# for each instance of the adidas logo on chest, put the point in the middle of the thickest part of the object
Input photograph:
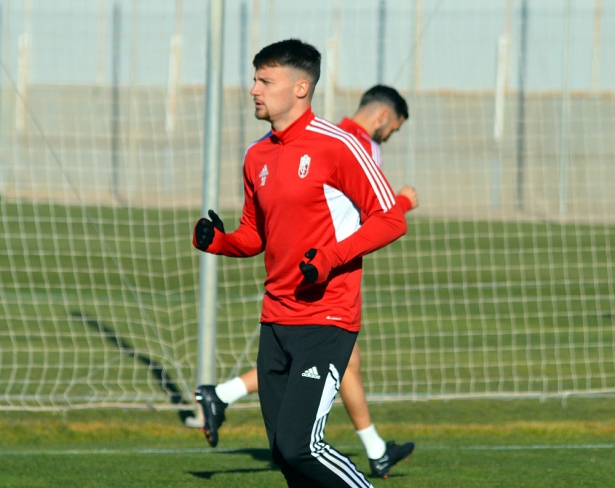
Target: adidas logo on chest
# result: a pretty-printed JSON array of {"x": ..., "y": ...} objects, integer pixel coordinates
[{"x": 263, "y": 175}]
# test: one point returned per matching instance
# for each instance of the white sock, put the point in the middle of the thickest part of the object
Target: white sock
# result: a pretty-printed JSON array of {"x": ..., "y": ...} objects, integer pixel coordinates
[
  {"x": 375, "y": 447},
  {"x": 232, "y": 390}
]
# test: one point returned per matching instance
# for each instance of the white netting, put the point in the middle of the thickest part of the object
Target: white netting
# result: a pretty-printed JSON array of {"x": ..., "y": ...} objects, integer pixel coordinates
[{"x": 504, "y": 284}]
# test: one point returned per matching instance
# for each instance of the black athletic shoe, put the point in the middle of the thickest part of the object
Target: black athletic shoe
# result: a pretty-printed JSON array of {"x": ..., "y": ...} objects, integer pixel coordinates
[
  {"x": 394, "y": 453},
  {"x": 213, "y": 411}
]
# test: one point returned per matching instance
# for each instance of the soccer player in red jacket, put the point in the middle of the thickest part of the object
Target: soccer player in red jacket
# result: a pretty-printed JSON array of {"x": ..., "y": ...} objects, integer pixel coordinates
[
  {"x": 381, "y": 112},
  {"x": 306, "y": 185}
]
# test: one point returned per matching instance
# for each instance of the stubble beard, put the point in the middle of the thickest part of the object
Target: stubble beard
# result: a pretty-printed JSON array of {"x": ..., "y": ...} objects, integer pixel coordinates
[
  {"x": 378, "y": 135},
  {"x": 261, "y": 113}
]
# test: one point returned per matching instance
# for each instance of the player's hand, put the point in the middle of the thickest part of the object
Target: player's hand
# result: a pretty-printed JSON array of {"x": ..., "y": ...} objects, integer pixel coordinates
[
  {"x": 410, "y": 193},
  {"x": 204, "y": 230},
  {"x": 308, "y": 269},
  {"x": 319, "y": 266}
]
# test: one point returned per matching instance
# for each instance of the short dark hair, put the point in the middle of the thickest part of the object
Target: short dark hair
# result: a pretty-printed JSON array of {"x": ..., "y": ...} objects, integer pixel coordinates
[
  {"x": 291, "y": 53},
  {"x": 387, "y": 95}
]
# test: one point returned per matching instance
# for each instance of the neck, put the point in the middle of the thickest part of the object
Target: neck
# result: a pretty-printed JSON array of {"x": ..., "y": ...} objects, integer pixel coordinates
[
  {"x": 286, "y": 119},
  {"x": 364, "y": 122}
]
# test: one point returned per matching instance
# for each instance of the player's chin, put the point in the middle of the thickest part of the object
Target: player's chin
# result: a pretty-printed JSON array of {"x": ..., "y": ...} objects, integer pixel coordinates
[{"x": 261, "y": 114}]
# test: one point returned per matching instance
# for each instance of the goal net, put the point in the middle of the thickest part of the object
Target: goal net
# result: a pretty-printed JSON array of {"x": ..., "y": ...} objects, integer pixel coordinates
[{"x": 503, "y": 286}]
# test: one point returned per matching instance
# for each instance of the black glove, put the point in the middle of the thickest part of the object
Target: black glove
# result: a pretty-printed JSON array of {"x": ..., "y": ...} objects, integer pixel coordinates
[
  {"x": 204, "y": 229},
  {"x": 309, "y": 270}
]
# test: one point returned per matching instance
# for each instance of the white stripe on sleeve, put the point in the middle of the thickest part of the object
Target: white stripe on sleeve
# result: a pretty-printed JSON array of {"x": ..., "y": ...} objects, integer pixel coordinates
[{"x": 378, "y": 183}]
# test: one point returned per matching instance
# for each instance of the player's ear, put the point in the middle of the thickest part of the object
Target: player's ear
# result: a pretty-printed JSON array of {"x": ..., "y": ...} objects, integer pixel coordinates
[
  {"x": 382, "y": 116},
  {"x": 302, "y": 88}
]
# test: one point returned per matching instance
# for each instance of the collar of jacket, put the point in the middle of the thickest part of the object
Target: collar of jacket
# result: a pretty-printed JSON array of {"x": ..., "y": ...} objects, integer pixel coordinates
[
  {"x": 348, "y": 124},
  {"x": 294, "y": 130}
]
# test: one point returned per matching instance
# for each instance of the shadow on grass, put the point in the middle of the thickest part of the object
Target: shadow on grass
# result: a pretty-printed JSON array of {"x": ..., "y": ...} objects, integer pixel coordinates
[
  {"x": 207, "y": 475},
  {"x": 156, "y": 369},
  {"x": 257, "y": 454},
  {"x": 263, "y": 455}
]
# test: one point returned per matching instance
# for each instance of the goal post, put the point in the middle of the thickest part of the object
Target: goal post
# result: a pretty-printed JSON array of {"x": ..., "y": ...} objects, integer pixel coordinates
[
  {"x": 208, "y": 269},
  {"x": 108, "y": 118}
]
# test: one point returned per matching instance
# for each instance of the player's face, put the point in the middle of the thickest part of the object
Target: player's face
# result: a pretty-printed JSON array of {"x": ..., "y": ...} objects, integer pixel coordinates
[
  {"x": 273, "y": 92},
  {"x": 392, "y": 125}
]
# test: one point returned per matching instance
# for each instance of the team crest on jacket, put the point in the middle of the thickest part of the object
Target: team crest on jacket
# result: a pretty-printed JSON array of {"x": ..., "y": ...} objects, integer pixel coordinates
[
  {"x": 263, "y": 175},
  {"x": 304, "y": 166}
]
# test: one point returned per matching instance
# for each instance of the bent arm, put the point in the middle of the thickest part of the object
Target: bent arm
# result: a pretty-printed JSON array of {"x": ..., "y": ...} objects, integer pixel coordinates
[
  {"x": 248, "y": 239},
  {"x": 378, "y": 230},
  {"x": 359, "y": 178},
  {"x": 242, "y": 243}
]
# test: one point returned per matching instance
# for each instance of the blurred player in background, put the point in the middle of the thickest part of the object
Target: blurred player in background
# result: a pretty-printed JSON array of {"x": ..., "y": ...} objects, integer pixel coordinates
[{"x": 381, "y": 112}]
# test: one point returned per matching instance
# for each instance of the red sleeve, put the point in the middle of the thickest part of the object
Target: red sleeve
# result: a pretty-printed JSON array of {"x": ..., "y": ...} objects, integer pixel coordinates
[
  {"x": 248, "y": 239},
  {"x": 404, "y": 201},
  {"x": 377, "y": 231},
  {"x": 365, "y": 185}
]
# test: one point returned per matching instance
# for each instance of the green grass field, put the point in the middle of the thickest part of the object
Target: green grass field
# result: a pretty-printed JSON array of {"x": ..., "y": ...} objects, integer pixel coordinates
[
  {"x": 465, "y": 443},
  {"x": 99, "y": 306}
]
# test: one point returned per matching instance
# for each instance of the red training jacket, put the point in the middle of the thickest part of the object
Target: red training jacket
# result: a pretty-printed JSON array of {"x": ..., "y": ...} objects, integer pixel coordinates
[{"x": 305, "y": 187}]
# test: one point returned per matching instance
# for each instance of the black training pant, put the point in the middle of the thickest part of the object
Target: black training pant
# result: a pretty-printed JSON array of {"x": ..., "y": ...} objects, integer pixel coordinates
[{"x": 299, "y": 373}]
